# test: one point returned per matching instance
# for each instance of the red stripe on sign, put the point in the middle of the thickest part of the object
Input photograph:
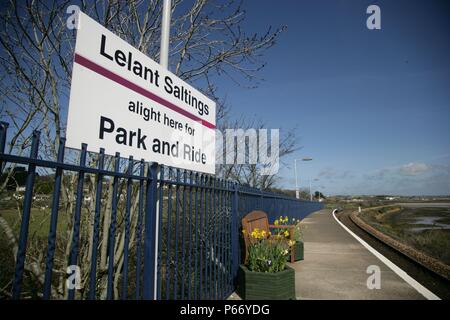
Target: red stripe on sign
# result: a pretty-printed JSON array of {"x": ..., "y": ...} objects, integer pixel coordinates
[{"x": 134, "y": 87}]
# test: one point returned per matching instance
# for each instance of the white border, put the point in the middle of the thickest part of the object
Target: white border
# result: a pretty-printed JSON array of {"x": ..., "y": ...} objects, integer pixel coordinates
[{"x": 402, "y": 274}]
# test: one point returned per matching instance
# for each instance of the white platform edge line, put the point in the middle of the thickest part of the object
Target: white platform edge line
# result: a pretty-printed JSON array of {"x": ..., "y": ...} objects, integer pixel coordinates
[{"x": 402, "y": 274}]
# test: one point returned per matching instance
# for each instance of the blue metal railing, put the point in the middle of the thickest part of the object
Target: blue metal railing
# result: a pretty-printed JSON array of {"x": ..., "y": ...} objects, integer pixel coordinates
[{"x": 197, "y": 217}]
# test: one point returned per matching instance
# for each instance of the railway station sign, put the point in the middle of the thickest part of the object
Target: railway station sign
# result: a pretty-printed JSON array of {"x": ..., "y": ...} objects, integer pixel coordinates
[{"x": 123, "y": 101}]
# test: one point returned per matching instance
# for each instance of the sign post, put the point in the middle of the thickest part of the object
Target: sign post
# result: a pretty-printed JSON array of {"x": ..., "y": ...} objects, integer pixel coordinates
[
  {"x": 165, "y": 34},
  {"x": 164, "y": 62}
]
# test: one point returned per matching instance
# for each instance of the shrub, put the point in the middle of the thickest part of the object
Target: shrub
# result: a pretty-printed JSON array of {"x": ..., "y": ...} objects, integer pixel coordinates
[{"x": 265, "y": 253}]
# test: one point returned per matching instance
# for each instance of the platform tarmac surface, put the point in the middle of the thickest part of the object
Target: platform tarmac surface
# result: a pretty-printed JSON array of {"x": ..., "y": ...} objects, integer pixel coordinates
[{"x": 335, "y": 266}]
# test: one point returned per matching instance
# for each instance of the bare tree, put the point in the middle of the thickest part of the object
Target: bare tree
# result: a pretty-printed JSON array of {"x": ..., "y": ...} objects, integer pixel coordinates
[
  {"x": 36, "y": 56},
  {"x": 249, "y": 173}
]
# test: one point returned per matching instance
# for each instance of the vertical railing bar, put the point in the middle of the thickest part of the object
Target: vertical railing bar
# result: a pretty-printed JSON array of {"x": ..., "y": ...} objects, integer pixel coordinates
[
  {"x": 196, "y": 230},
  {"x": 234, "y": 230},
  {"x": 208, "y": 234},
  {"x": 227, "y": 224},
  {"x": 227, "y": 238},
  {"x": 218, "y": 224},
  {"x": 112, "y": 229},
  {"x": 210, "y": 237},
  {"x": 98, "y": 205},
  {"x": 191, "y": 182},
  {"x": 227, "y": 247},
  {"x": 139, "y": 231},
  {"x": 222, "y": 240},
  {"x": 214, "y": 239},
  {"x": 229, "y": 219},
  {"x": 177, "y": 218},
  {"x": 53, "y": 223},
  {"x": 183, "y": 236},
  {"x": 127, "y": 229},
  {"x": 206, "y": 241},
  {"x": 160, "y": 222},
  {"x": 23, "y": 237},
  {"x": 261, "y": 198},
  {"x": 224, "y": 236},
  {"x": 77, "y": 217},
  {"x": 3, "y": 132},
  {"x": 168, "y": 241},
  {"x": 212, "y": 249},
  {"x": 150, "y": 233},
  {"x": 202, "y": 228}
]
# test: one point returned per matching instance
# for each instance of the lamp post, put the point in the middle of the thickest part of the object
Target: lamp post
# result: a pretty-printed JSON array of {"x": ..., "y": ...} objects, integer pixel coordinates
[
  {"x": 297, "y": 191},
  {"x": 310, "y": 193}
]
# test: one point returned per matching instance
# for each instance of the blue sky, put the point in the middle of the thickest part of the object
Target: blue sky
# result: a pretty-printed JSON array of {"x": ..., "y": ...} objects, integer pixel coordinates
[{"x": 372, "y": 107}]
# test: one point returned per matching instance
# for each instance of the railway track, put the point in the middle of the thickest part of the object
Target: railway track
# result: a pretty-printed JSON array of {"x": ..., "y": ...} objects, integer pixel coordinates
[{"x": 432, "y": 281}]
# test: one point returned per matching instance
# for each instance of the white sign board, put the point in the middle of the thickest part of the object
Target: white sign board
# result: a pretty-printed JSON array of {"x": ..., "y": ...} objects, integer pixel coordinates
[{"x": 123, "y": 101}]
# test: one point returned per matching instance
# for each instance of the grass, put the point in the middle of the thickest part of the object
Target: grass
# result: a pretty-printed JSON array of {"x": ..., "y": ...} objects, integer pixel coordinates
[
  {"x": 38, "y": 230},
  {"x": 39, "y": 221}
]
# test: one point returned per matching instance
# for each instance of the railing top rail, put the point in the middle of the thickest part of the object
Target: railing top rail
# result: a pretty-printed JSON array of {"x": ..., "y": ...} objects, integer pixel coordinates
[
  {"x": 228, "y": 185},
  {"x": 68, "y": 167}
]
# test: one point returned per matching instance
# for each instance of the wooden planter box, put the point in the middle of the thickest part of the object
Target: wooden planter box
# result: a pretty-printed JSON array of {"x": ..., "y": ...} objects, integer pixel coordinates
[
  {"x": 266, "y": 286},
  {"x": 299, "y": 251}
]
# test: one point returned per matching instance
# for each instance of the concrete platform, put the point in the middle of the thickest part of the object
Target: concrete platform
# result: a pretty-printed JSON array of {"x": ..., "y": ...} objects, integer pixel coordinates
[{"x": 335, "y": 266}]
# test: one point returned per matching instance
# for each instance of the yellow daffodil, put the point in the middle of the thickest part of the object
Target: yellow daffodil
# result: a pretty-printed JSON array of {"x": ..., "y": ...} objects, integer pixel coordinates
[
  {"x": 276, "y": 222},
  {"x": 286, "y": 233}
]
